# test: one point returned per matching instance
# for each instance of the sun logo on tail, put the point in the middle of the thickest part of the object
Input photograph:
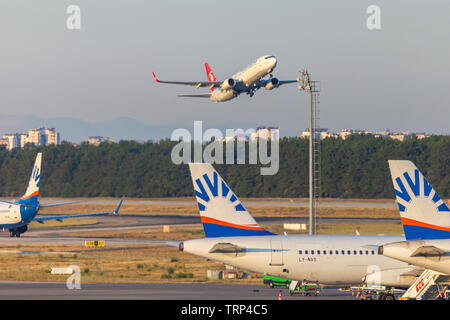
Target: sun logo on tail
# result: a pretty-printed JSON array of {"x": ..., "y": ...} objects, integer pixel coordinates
[
  {"x": 36, "y": 175},
  {"x": 204, "y": 197},
  {"x": 420, "y": 191}
]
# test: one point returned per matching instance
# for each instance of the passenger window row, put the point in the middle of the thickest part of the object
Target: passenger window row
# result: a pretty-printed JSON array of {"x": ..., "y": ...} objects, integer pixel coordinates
[{"x": 337, "y": 252}]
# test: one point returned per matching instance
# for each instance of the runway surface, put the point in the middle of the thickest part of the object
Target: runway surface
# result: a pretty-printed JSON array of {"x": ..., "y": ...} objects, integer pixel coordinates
[
  {"x": 128, "y": 222},
  {"x": 155, "y": 291}
]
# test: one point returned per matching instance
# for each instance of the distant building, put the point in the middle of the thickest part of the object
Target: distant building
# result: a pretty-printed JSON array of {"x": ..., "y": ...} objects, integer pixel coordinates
[
  {"x": 96, "y": 140},
  {"x": 36, "y": 136},
  {"x": 345, "y": 133},
  {"x": 50, "y": 136},
  {"x": 322, "y": 133},
  {"x": 267, "y": 133},
  {"x": 12, "y": 141},
  {"x": 4, "y": 143}
]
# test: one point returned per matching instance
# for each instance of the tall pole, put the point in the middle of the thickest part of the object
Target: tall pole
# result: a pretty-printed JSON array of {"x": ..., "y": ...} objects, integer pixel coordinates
[
  {"x": 311, "y": 88},
  {"x": 311, "y": 167}
]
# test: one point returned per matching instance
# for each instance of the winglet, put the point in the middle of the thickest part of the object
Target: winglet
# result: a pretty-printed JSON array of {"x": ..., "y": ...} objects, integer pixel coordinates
[
  {"x": 118, "y": 207},
  {"x": 154, "y": 76}
]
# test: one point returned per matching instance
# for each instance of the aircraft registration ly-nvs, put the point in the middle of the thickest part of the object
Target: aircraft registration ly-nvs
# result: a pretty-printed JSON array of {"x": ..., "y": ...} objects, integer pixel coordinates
[
  {"x": 17, "y": 215},
  {"x": 233, "y": 237},
  {"x": 247, "y": 81}
]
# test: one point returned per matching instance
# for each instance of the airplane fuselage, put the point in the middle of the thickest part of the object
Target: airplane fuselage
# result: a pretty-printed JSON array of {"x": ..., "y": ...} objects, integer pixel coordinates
[
  {"x": 15, "y": 216},
  {"x": 246, "y": 79},
  {"x": 329, "y": 259}
]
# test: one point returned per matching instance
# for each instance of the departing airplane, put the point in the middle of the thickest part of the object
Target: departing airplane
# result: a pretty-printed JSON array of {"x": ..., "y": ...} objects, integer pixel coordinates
[
  {"x": 247, "y": 81},
  {"x": 233, "y": 237},
  {"x": 425, "y": 218},
  {"x": 16, "y": 215}
]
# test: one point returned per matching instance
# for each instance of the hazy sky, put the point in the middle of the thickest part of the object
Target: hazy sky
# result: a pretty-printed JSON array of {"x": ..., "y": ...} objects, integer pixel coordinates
[{"x": 395, "y": 78}]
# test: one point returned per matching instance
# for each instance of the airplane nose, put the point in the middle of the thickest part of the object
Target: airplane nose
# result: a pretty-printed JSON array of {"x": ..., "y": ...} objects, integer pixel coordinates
[{"x": 274, "y": 62}]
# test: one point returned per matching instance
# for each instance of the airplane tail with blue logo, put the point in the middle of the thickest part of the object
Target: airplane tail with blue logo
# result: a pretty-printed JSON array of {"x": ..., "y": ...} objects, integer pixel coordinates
[
  {"x": 31, "y": 195},
  {"x": 424, "y": 214},
  {"x": 221, "y": 212}
]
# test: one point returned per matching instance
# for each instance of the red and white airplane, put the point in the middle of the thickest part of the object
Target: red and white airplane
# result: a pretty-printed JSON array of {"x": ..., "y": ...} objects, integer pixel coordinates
[{"x": 247, "y": 81}]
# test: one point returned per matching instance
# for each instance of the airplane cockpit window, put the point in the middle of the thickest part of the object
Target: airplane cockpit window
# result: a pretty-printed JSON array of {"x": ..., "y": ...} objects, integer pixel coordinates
[{"x": 268, "y": 57}]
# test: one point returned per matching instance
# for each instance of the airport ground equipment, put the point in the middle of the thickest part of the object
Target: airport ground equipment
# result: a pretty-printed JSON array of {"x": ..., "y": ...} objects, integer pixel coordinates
[
  {"x": 305, "y": 288},
  {"x": 429, "y": 285},
  {"x": 369, "y": 292},
  {"x": 276, "y": 281},
  {"x": 313, "y": 89}
]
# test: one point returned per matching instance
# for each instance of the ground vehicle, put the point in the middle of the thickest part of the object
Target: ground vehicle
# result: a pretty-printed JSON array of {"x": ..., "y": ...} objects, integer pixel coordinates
[
  {"x": 306, "y": 289},
  {"x": 275, "y": 281}
]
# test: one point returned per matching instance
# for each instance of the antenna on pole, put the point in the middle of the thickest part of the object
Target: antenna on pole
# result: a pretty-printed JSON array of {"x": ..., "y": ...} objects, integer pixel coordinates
[{"x": 313, "y": 89}]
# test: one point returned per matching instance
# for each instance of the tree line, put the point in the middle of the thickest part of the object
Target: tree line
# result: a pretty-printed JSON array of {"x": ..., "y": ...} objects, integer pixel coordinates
[{"x": 353, "y": 168}]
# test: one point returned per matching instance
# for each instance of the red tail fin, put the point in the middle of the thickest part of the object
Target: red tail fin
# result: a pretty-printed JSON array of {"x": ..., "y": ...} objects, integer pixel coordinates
[{"x": 209, "y": 74}]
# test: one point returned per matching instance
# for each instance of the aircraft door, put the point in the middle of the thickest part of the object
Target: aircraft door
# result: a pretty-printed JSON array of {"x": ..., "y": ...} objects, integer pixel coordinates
[{"x": 276, "y": 253}]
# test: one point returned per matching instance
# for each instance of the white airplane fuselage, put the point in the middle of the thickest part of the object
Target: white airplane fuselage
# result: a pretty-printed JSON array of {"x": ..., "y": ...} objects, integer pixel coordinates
[
  {"x": 245, "y": 79},
  {"x": 10, "y": 215},
  {"x": 327, "y": 259}
]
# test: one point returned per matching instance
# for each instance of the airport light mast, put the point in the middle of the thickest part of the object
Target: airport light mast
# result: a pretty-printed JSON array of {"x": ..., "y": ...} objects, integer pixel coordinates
[{"x": 313, "y": 88}]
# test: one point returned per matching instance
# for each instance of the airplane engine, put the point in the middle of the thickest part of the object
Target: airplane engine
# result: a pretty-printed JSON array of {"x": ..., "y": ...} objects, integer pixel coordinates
[
  {"x": 273, "y": 83},
  {"x": 228, "y": 84}
]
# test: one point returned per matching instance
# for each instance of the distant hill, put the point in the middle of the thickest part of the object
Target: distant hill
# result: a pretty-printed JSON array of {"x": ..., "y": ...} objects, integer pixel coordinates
[{"x": 77, "y": 130}]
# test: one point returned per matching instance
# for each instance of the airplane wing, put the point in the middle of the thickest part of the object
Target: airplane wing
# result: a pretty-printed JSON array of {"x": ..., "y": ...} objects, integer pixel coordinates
[
  {"x": 205, "y": 95},
  {"x": 286, "y": 81},
  {"x": 196, "y": 84},
  {"x": 275, "y": 83},
  {"x": 61, "y": 217}
]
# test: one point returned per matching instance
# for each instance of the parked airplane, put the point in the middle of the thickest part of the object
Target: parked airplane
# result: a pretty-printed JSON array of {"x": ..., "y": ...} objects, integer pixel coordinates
[
  {"x": 425, "y": 218},
  {"x": 235, "y": 238},
  {"x": 247, "y": 81},
  {"x": 16, "y": 215}
]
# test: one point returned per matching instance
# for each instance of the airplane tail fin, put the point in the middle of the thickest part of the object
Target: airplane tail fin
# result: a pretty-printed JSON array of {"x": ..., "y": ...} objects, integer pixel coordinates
[
  {"x": 423, "y": 213},
  {"x": 221, "y": 212},
  {"x": 32, "y": 193},
  {"x": 209, "y": 74}
]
